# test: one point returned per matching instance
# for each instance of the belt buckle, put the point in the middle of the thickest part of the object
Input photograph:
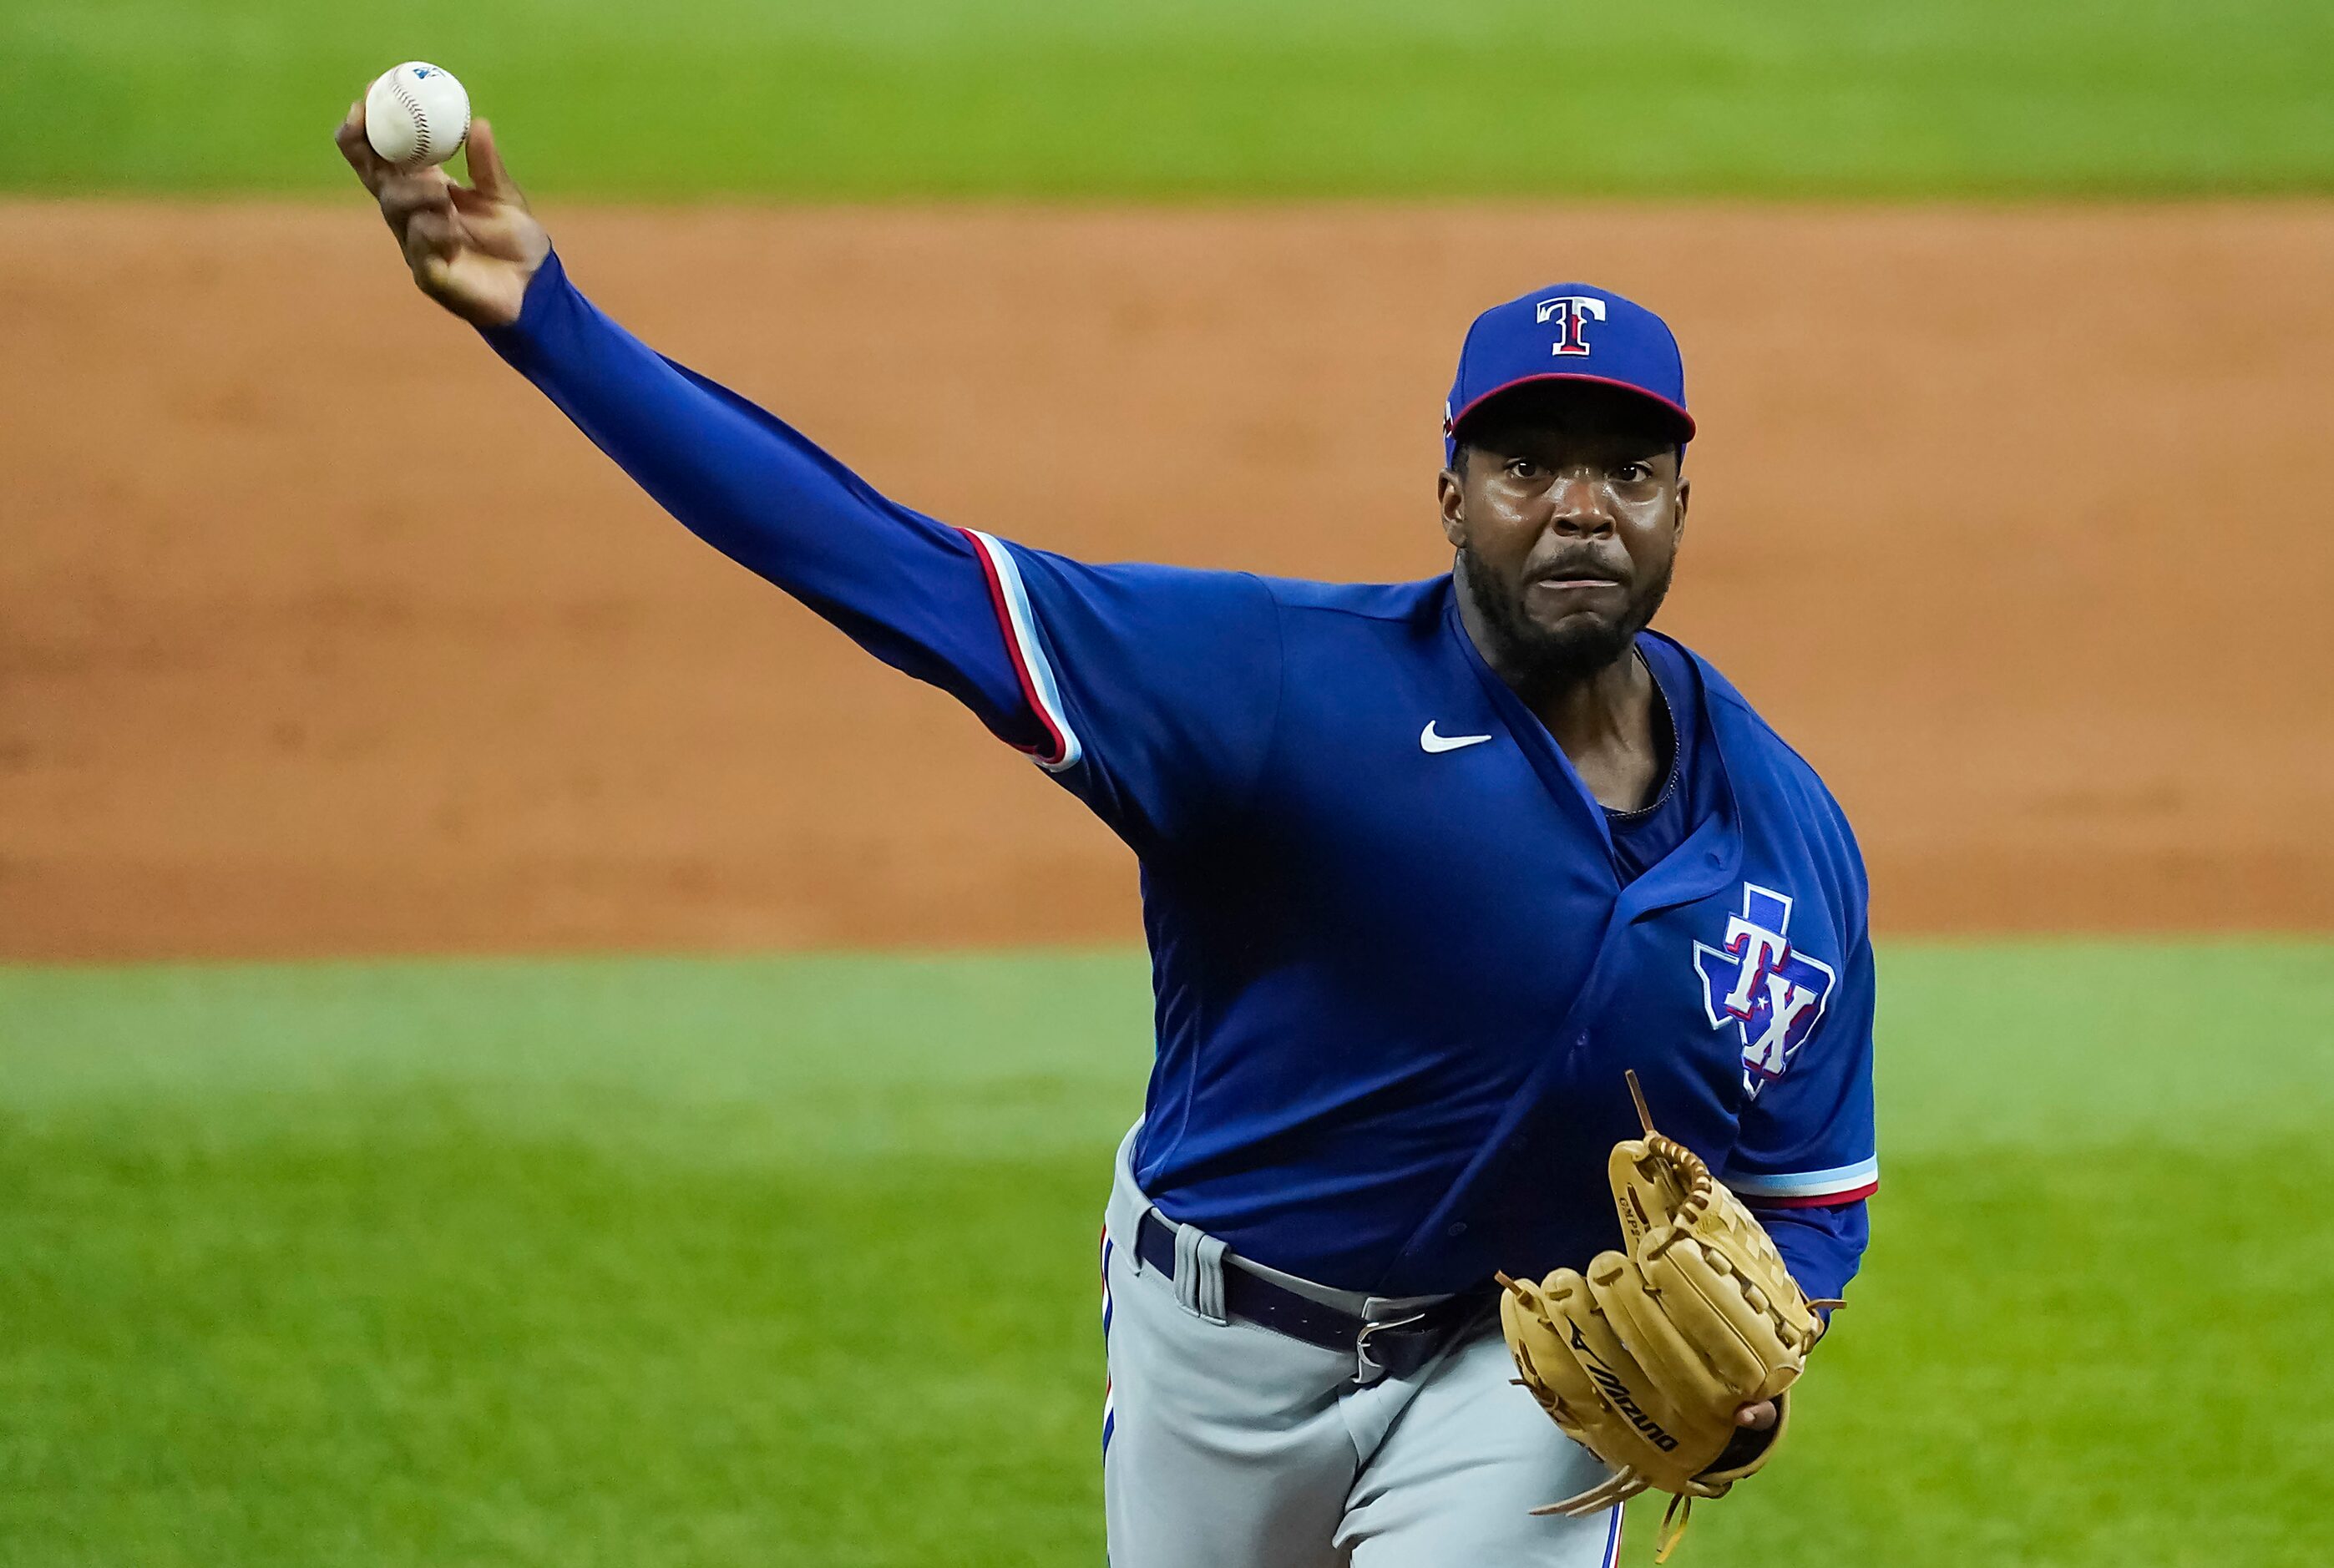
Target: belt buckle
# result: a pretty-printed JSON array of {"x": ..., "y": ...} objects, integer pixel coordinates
[{"x": 1368, "y": 1368}]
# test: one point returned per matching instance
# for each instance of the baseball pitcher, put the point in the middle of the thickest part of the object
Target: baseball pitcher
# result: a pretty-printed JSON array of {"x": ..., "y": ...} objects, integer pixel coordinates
[{"x": 1429, "y": 871}]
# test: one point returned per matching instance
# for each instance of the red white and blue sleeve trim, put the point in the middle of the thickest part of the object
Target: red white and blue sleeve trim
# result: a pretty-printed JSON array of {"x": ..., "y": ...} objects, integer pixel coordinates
[
  {"x": 1060, "y": 751},
  {"x": 1811, "y": 1188}
]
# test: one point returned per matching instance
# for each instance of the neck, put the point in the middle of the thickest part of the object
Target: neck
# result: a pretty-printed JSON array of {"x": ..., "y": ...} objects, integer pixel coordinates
[
  {"x": 1602, "y": 717},
  {"x": 1612, "y": 706}
]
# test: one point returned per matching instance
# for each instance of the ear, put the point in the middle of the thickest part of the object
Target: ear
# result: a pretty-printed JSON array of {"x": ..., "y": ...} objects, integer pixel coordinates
[
  {"x": 1677, "y": 523},
  {"x": 1452, "y": 492}
]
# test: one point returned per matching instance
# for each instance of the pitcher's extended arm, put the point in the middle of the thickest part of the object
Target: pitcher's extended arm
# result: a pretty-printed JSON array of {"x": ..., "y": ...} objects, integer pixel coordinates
[
  {"x": 916, "y": 593},
  {"x": 909, "y": 589}
]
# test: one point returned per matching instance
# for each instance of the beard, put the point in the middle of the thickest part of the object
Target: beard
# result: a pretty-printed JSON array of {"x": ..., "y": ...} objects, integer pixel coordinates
[{"x": 1538, "y": 659}]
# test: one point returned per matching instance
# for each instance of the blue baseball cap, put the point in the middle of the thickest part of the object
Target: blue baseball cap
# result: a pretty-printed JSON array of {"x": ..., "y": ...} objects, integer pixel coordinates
[{"x": 1567, "y": 332}]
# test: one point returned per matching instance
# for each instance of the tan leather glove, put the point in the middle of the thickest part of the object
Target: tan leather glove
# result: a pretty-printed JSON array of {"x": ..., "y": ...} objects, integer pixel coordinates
[{"x": 1646, "y": 1359}]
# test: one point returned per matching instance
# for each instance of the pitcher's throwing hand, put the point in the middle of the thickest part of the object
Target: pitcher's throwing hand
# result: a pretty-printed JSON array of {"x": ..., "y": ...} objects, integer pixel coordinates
[{"x": 473, "y": 247}]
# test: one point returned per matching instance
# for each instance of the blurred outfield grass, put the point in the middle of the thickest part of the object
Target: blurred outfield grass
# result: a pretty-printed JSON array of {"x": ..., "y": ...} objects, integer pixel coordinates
[
  {"x": 850, "y": 99},
  {"x": 653, "y": 1262}
]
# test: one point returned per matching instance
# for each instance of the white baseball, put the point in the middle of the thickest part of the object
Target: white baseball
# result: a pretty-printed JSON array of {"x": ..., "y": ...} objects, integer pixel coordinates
[{"x": 416, "y": 115}]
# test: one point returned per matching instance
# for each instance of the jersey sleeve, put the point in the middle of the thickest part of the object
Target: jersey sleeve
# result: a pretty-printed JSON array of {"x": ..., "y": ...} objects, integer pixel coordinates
[
  {"x": 910, "y": 589},
  {"x": 1809, "y": 1145},
  {"x": 1821, "y": 1247},
  {"x": 1162, "y": 684},
  {"x": 1148, "y": 691}
]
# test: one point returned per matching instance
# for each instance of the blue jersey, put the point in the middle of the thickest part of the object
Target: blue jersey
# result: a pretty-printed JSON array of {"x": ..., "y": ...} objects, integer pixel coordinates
[{"x": 1400, "y": 958}]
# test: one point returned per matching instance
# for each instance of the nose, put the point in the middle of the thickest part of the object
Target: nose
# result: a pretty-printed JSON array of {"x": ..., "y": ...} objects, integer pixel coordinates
[{"x": 1579, "y": 505}]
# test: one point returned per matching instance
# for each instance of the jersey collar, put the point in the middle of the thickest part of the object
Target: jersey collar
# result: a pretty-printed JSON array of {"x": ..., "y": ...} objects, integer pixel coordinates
[{"x": 1704, "y": 864}]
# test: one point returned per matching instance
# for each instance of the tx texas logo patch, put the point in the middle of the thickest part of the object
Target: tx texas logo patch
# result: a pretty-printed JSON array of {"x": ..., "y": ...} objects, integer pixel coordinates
[{"x": 1771, "y": 994}]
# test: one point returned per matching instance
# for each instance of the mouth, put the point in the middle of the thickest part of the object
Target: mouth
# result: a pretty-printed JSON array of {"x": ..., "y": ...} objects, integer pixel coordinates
[
  {"x": 1574, "y": 581},
  {"x": 1574, "y": 590}
]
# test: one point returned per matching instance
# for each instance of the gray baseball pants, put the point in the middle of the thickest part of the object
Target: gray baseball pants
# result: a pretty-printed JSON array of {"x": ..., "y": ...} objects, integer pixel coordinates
[{"x": 1228, "y": 1446}]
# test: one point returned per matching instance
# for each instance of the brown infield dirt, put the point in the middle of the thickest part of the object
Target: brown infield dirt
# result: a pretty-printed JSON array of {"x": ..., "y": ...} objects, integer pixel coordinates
[{"x": 321, "y": 632}]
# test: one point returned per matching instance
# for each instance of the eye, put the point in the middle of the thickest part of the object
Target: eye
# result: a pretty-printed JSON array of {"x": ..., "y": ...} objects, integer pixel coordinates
[
  {"x": 1522, "y": 468},
  {"x": 1633, "y": 473}
]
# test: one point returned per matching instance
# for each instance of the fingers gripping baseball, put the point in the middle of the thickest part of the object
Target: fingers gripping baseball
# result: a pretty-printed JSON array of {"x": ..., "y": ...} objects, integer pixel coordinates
[{"x": 472, "y": 248}]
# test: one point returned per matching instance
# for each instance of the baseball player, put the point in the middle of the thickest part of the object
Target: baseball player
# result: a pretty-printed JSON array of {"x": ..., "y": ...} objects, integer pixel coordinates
[{"x": 1425, "y": 868}]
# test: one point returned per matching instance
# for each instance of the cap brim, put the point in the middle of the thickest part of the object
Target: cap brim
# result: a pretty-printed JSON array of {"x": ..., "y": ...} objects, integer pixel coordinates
[{"x": 1682, "y": 420}]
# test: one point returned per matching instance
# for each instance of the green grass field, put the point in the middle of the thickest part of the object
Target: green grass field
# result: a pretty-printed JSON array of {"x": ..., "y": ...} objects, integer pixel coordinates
[
  {"x": 826, "y": 99},
  {"x": 789, "y": 1262}
]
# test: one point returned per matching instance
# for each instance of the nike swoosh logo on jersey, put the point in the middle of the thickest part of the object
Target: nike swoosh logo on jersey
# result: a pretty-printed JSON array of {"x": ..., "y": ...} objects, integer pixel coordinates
[{"x": 1431, "y": 743}]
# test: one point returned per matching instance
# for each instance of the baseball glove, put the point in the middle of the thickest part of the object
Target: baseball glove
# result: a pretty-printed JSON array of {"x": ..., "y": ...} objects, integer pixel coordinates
[{"x": 1646, "y": 1359}]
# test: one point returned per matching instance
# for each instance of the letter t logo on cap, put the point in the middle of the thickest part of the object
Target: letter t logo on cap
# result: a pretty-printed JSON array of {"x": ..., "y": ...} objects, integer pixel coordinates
[{"x": 1572, "y": 313}]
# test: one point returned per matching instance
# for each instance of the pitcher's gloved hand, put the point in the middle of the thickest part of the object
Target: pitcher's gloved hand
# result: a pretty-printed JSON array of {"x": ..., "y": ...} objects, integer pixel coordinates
[{"x": 1662, "y": 1359}]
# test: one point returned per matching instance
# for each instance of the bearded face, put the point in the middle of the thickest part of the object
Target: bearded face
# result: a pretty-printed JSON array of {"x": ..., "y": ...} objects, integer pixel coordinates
[{"x": 1566, "y": 507}]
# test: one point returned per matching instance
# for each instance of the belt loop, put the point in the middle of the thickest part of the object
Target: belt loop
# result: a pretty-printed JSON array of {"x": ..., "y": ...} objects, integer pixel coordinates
[{"x": 1199, "y": 1274}]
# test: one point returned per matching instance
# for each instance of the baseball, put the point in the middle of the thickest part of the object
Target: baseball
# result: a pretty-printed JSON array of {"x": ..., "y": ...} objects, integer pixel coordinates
[{"x": 416, "y": 114}]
